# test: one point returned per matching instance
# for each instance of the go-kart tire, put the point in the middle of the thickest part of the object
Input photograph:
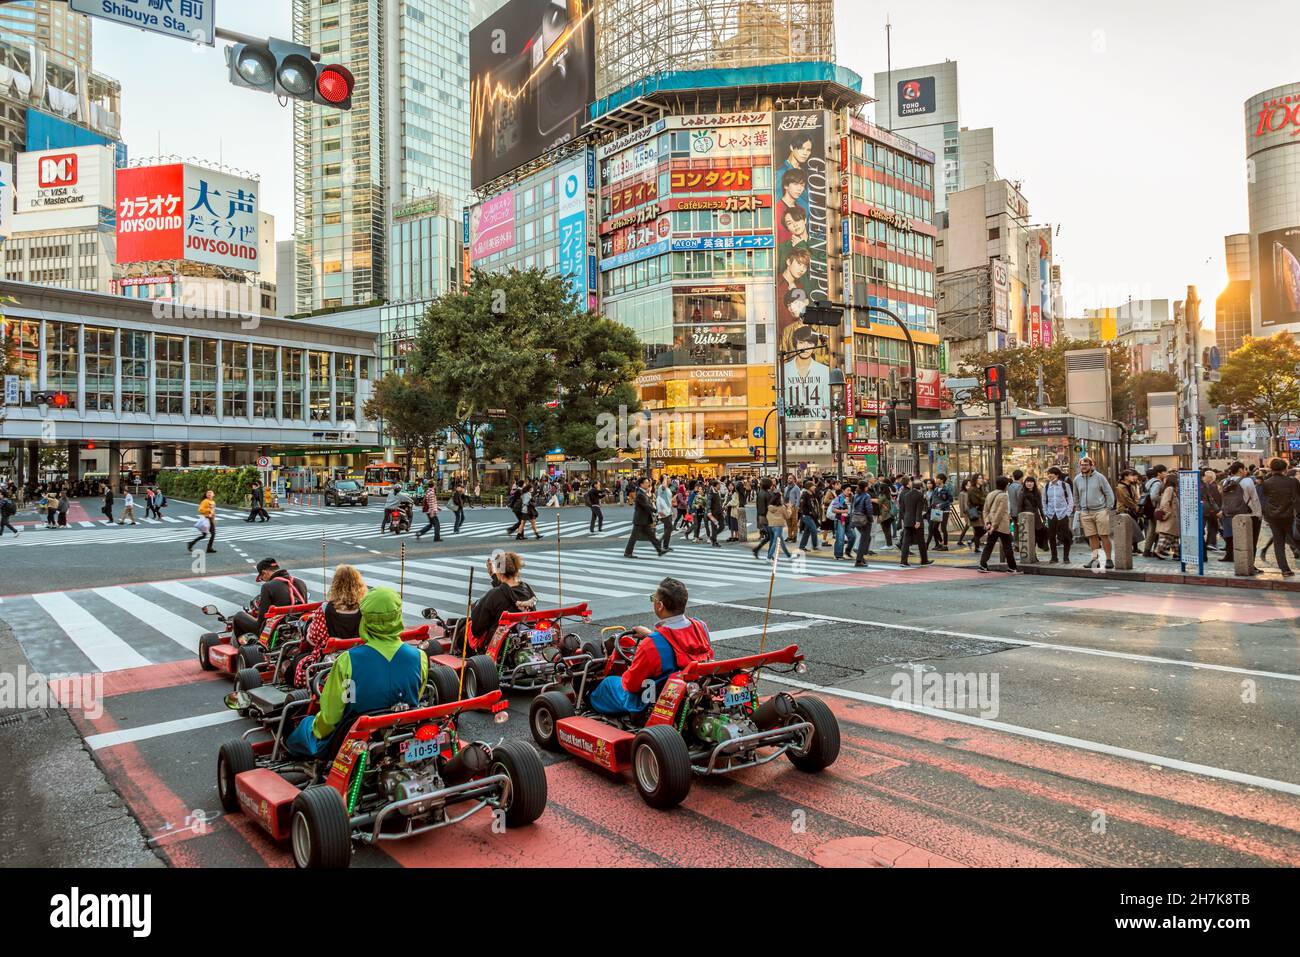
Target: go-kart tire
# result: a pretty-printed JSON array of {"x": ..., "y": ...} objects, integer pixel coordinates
[
  {"x": 824, "y": 747},
  {"x": 445, "y": 683},
  {"x": 518, "y": 761},
  {"x": 297, "y": 694},
  {"x": 235, "y": 757},
  {"x": 661, "y": 766},
  {"x": 594, "y": 649},
  {"x": 246, "y": 679},
  {"x": 547, "y": 710},
  {"x": 206, "y": 641},
  {"x": 319, "y": 829},
  {"x": 480, "y": 676},
  {"x": 250, "y": 656}
]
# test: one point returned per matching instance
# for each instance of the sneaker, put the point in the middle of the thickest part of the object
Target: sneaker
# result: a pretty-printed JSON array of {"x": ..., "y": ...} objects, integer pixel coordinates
[
  {"x": 1109, "y": 564},
  {"x": 1091, "y": 564},
  {"x": 981, "y": 568},
  {"x": 928, "y": 561}
]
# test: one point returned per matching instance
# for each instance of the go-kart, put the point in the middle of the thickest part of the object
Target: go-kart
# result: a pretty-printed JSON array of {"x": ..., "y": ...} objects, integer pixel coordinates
[
  {"x": 705, "y": 719},
  {"x": 243, "y": 656},
  {"x": 528, "y": 647},
  {"x": 279, "y": 669},
  {"x": 386, "y": 777}
]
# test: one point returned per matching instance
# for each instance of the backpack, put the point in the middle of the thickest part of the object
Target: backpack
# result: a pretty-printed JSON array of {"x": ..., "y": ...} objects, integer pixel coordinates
[
  {"x": 1234, "y": 498},
  {"x": 9, "y": 508}
]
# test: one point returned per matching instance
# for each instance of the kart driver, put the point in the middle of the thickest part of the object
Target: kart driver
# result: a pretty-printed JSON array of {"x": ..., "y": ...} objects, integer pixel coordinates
[
  {"x": 674, "y": 643},
  {"x": 509, "y": 593},
  {"x": 376, "y": 676},
  {"x": 278, "y": 588}
]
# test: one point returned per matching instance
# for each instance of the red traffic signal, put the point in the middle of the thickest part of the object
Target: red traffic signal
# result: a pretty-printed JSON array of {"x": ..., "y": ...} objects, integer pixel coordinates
[
  {"x": 59, "y": 400},
  {"x": 334, "y": 85},
  {"x": 995, "y": 383}
]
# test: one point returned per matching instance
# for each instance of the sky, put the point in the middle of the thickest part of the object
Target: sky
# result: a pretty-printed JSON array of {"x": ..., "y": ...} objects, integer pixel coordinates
[{"x": 1123, "y": 118}]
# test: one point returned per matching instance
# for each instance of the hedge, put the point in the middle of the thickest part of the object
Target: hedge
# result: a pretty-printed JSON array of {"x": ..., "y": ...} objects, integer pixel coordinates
[{"x": 230, "y": 485}]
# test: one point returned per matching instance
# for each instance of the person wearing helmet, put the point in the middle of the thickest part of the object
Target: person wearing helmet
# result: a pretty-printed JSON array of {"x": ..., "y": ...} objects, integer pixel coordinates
[{"x": 375, "y": 676}]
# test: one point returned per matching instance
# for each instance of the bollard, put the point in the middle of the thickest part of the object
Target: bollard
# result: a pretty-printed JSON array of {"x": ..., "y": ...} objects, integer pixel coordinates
[
  {"x": 1243, "y": 545},
  {"x": 742, "y": 523},
  {"x": 1027, "y": 538},
  {"x": 1124, "y": 533}
]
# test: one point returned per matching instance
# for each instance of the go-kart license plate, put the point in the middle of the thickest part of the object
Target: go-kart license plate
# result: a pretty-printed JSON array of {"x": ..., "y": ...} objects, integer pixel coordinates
[
  {"x": 413, "y": 751},
  {"x": 541, "y": 636},
  {"x": 735, "y": 696}
]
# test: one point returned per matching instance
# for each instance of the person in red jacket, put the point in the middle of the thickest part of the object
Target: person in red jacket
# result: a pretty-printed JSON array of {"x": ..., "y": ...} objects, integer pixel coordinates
[{"x": 674, "y": 643}]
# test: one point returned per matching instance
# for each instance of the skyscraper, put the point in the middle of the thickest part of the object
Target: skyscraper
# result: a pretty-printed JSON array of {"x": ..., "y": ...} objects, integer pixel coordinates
[
  {"x": 379, "y": 189},
  {"x": 64, "y": 35}
]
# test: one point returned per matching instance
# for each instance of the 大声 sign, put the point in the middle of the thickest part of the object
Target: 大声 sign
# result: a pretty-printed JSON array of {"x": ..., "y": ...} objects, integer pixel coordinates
[{"x": 179, "y": 211}]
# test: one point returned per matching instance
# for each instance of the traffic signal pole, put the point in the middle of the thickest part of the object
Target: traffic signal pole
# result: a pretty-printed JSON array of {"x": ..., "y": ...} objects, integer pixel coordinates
[{"x": 997, "y": 439}]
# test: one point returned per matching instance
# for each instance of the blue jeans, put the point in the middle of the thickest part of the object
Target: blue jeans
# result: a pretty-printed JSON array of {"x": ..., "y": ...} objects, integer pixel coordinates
[
  {"x": 843, "y": 539},
  {"x": 610, "y": 697},
  {"x": 776, "y": 537},
  {"x": 809, "y": 533},
  {"x": 460, "y": 517}
]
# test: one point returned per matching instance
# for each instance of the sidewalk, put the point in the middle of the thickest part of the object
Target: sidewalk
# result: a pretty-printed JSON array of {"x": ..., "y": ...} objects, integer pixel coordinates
[{"x": 1168, "y": 571}]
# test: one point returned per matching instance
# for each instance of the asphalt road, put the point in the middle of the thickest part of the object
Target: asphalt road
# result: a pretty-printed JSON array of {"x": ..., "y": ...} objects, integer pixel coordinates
[{"x": 1106, "y": 723}]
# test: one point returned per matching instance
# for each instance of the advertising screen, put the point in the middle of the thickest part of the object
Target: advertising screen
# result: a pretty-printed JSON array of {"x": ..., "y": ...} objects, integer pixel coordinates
[
  {"x": 532, "y": 75},
  {"x": 916, "y": 97},
  {"x": 492, "y": 226},
  {"x": 1279, "y": 277},
  {"x": 800, "y": 214}
]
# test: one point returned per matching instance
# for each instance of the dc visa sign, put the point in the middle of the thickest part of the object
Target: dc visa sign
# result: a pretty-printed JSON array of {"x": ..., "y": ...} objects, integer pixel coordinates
[{"x": 179, "y": 211}]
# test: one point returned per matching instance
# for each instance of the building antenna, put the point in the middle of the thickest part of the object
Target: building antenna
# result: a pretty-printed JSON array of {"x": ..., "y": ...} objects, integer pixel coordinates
[{"x": 888, "y": 69}]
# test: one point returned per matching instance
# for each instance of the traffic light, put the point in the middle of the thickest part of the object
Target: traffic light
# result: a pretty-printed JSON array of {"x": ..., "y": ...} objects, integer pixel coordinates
[
  {"x": 821, "y": 314},
  {"x": 995, "y": 383},
  {"x": 59, "y": 400},
  {"x": 287, "y": 69}
]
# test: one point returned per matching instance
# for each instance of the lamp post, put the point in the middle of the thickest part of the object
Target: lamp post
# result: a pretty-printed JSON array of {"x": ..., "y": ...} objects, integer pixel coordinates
[
  {"x": 831, "y": 314},
  {"x": 837, "y": 439}
]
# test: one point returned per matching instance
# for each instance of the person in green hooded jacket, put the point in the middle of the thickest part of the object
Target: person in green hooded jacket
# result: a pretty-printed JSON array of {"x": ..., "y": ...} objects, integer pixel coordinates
[{"x": 375, "y": 676}]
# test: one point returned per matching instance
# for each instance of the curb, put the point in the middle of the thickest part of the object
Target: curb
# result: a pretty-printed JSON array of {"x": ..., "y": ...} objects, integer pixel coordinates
[{"x": 1257, "y": 584}]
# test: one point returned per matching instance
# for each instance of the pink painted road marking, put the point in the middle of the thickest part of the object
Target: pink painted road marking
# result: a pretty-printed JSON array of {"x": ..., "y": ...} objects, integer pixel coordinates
[
  {"x": 1176, "y": 606},
  {"x": 923, "y": 575}
]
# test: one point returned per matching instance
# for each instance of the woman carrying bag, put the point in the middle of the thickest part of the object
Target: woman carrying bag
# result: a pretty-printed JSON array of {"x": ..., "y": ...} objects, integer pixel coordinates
[{"x": 1167, "y": 517}]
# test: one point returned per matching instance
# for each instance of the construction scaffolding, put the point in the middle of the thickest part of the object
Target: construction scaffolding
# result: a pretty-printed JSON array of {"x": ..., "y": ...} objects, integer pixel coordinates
[{"x": 636, "y": 39}]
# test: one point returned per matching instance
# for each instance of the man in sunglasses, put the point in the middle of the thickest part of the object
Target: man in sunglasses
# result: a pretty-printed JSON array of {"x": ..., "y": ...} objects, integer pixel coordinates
[{"x": 674, "y": 643}]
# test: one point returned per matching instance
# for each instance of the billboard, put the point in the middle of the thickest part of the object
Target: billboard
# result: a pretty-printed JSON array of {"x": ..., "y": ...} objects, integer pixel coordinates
[
  {"x": 532, "y": 76},
  {"x": 52, "y": 181},
  {"x": 713, "y": 179},
  {"x": 916, "y": 97},
  {"x": 179, "y": 211},
  {"x": 572, "y": 219},
  {"x": 45, "y": 131},
  {"x": 799, "y": 200},
  {"x": 1279, "y": 277},
  {"x": 492, "y": 226}
]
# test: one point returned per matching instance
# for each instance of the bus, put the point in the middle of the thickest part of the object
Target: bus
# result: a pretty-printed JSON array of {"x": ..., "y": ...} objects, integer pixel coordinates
[{"x": 382, "y": 476}]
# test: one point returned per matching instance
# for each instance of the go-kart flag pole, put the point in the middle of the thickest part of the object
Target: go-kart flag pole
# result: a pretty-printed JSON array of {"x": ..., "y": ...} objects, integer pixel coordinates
[
  {"x": 762, "y": 641},
  {"x": 401, "y": 583},
  {"x": 464, "y": 635},
  {"x": 325, "y": 582},
  {"x": 559, "y": 572}
]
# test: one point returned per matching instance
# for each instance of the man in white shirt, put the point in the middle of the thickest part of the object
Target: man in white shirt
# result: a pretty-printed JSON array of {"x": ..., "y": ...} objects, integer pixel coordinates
[{"x": 128, "y": 509}]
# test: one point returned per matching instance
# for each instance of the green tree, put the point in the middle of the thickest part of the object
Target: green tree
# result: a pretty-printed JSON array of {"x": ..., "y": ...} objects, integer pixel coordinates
[
  {"x": 1259, "y": 380},
  {"x": 509, "y": 343},
  {"x": 406, "y": 405},
  {"x": 1141, "y": 386}
]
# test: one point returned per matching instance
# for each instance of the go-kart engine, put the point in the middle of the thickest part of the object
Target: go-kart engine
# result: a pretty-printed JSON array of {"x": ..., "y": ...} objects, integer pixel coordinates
[
  {"x": 717, "y": 728},
  {"x": 398, "y": 784}
]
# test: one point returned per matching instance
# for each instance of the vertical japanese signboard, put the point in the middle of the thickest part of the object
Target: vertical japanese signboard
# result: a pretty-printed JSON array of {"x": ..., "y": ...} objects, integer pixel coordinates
[
  {"x": 1191, "y": 526},
  {"x": 800, "y": 190}
]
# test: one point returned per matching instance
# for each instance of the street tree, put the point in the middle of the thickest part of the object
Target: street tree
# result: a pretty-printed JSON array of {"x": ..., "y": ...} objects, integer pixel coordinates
[
  {"x": 1024, "y": 362},
  {"x": 406, "y": 406},
  {"x": 1260, "y": 380}
]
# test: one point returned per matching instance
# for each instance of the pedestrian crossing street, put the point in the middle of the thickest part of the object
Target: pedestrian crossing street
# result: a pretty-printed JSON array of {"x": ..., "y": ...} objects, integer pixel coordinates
[
  {"x": 232, "y": 527},
  {"x": 118, "y": 627}
]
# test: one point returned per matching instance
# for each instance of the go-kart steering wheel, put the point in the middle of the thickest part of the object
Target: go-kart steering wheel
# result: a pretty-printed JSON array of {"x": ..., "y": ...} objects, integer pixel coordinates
[{"x": 625, "y": 645}]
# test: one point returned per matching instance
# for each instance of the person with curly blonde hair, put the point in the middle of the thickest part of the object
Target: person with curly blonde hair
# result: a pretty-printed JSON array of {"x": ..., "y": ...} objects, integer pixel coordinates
[{"x": 339, "y": 617}]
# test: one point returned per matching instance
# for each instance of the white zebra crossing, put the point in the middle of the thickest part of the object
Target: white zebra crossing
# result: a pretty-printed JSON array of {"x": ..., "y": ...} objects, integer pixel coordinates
[{"x": 120, "y": 627}]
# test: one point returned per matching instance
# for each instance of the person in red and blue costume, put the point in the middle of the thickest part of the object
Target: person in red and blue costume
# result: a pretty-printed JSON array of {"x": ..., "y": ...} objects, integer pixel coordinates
[
  {"x": 674, "y": 643},
  {"x": 375, "y": 676}
]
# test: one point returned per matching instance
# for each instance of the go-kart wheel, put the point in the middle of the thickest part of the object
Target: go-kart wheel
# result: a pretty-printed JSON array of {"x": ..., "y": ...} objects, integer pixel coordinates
[
  {"x": 594, "y": 649},
  {"x": 297, "y": 694},
  {"x": 661, "y": 766},
  {"x": 235, "y": 757},
  {"x": 824, "y": 747},
  {"x": 246, "y": 679},
  {"x": 519, "y": 762},
  {"x": 250, "y": 656},
  {"x": 480, "y": 676},
  {"x": 444, "y": 683},
  {"x": 320, "y": 830},
  {"x": 206, "y": 641},
  {"x": 547, "y": 709}
]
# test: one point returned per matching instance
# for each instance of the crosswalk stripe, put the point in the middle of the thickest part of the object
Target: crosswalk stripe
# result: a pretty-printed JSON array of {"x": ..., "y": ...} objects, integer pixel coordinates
[
  {"x": 460, "y": 573},
  {"x": 410, "y": 609},
  {"x": 195, "y": 597},
  {"x": 105, "y": 650},
  {"x": 184, "y": 633},
  {"x": 630, "y": 574}
]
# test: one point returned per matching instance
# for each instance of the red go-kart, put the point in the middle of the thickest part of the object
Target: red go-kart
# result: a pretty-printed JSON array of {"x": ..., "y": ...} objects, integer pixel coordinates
[
  {"x": 706, "y": 719},
  {"x": 390, "y": 776},
  {"x": 231, "y": 654},
  {"x": 528, "y": 648}
]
